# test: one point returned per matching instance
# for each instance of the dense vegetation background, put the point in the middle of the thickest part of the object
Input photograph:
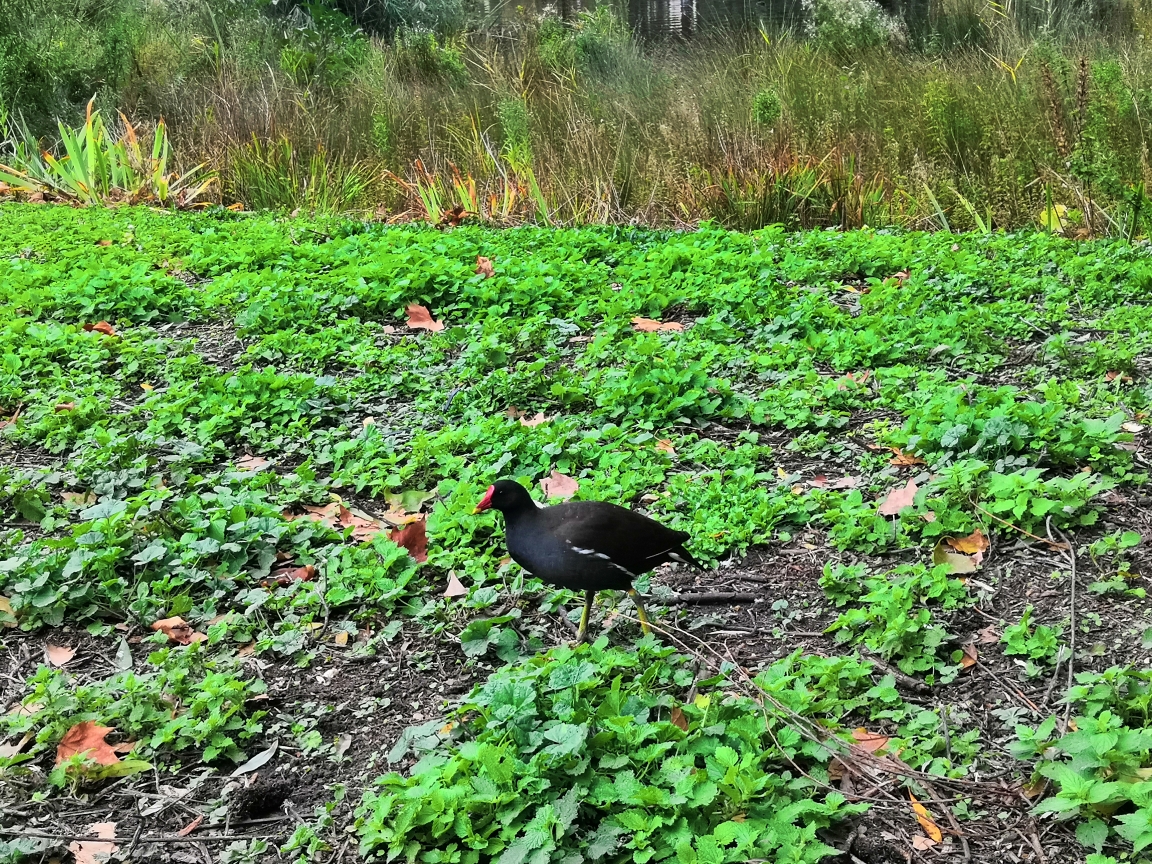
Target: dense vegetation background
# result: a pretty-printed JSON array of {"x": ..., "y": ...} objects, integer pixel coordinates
[{"x": 956, "y": 113}]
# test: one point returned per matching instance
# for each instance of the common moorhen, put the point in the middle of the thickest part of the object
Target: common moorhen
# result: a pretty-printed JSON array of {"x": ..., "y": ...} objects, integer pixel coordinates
[{"x": 586, "y": 546}]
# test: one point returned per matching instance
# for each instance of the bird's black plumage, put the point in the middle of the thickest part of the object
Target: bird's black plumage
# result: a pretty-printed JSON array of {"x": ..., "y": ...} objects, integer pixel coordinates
[{"x": 583, "y": 545}]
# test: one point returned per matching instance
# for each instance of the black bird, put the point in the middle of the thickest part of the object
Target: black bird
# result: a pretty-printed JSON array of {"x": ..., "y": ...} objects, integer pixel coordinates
[{"x": 586, "y": 546}]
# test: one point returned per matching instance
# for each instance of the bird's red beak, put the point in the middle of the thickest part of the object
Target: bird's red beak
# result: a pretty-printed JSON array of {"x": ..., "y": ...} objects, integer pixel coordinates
[{"x": 486, "y": 501}]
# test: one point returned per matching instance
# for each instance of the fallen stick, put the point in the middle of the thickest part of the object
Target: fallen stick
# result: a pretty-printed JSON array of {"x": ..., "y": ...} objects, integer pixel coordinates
[
  {"x": 90, "y": 838},
  {"x": 711, "y": 597}
]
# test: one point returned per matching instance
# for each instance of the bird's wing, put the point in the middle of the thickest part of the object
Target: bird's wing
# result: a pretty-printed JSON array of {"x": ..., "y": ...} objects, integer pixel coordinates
[{"x": 628, "y": 539}]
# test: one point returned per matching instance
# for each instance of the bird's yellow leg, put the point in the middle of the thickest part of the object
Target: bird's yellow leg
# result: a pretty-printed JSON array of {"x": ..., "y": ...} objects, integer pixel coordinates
[
  {"x": 583, "y": 631},
  {"x": 640, "y": 613}
]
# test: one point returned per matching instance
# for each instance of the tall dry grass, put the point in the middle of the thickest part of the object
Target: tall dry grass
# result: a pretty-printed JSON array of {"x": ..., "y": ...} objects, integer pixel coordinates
[{"x": 997, "y": 113}]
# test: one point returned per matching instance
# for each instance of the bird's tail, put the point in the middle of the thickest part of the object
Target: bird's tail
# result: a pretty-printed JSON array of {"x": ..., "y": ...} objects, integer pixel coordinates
[{"x": 684, "y": 557}]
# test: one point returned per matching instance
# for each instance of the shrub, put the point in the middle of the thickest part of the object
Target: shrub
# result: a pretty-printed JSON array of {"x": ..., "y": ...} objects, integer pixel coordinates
[
  {"x": 851, "y": 25},
  {"x": 766, "y": 108}
]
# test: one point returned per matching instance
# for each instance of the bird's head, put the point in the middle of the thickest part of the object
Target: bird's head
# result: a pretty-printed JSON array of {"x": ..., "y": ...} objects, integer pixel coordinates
[{"x": 504, "y": 495}]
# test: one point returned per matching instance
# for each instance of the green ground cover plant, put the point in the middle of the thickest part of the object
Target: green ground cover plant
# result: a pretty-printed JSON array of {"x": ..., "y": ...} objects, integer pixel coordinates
[{"x": 241, "y": 421}]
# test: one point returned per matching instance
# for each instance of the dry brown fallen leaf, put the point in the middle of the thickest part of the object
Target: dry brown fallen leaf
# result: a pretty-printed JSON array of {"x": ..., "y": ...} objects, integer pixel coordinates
[
  {"x": 368, "y": 421},
  {"x": 534, "y": 421},
  {"x": 664, "y": 445},
  {"x": 650, "y": 325},
  {"x": 398, "y": 517},
  {"x": 921, "y": 843},
  {"x": 7, "y": 751},
  {"x": 6, "y": 608},
  {"x": 78, "y": 499},
  {"x": 822, "y": 482},
  {"x": 928, "y": 515},
  {"x": 557, "y": 485},
  {"x": 989, "y": 635},
  {"x": 455, "y": 587},
  {"x": 970, "y": 545},
  {"x": 58, "y": 655},
  {"x": 904, "y": 460},
  {"x": 484, "y": 267},
  {"x": 970, "y": 656},
  {"x": 678, "y": 719},
  {"x": 101, "y": 327},
  {"x": 87, "y": 738},
  {"x": 65, "y": 406},
  {"x": 414, "y": 538},
  {"x": 288, "y": 575},
  {"x": 957, "y": 562},
  {"x": 336, "y": 515},
  {"x": 92, "y": 851},
  {"x": 419, "y": 318},
  {"x": 178, "y": 630},
  {"x": 252, "y": 463},
  {"x": 898, "y": 499},
  {"x": 869, "y": 741},
  {"x": 930, "y": 827}
]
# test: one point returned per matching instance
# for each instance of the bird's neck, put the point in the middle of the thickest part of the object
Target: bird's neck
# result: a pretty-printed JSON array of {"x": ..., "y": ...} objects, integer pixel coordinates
[{"x": 521, "y": 516}]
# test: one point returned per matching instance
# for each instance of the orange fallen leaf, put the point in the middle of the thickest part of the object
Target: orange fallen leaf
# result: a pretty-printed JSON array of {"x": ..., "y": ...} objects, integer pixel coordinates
[
  {"x": 87, "y": 738},
  {"x": 103, "y": 242},
  {"x": 455, "y": 587},
  {"x": 146, "y": 387},
  {"x": 191, "y": 826},
  {"x": 557, "y": 485},
  {"x": 869, "y": 741},
  {"x": 414, "y": 538},
  {"x": 178, "y": 630},
  {"x": 101, "y": 327},
  {"x": 898, "y": 499},
  {"x": 970, "y": 545},
  {"x": 678, "y": 719},
  {"x": 419, "y": 318},
  {"x": 534, "y": 421},
  {"x": 969, "y": 658},
  {"x": 664, "y": 445},
  {"x": 904, "y": 460},
  {"x": 930, "y": 827},
  {"x": 288, "y": 575},
  {"x": 93, "y": 851},
  {"x": 650, "y": 325},
  {"x": 58, "y": 655},
  {"x": 484, "y": 267},
  {"x": 65, "y": 406}
]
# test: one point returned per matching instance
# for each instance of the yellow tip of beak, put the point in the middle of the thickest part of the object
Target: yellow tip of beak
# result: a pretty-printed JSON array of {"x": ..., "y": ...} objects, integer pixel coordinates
[{"x": 476, "y": 510}]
